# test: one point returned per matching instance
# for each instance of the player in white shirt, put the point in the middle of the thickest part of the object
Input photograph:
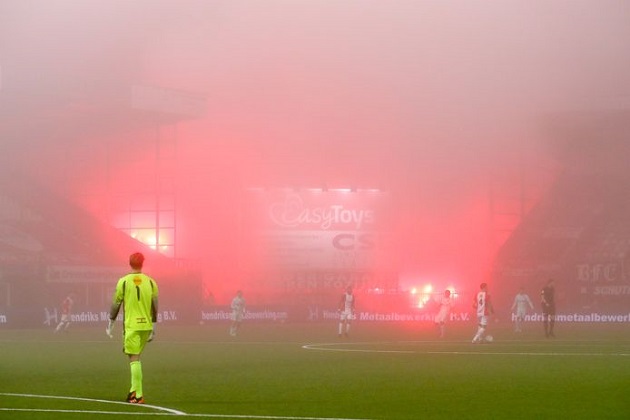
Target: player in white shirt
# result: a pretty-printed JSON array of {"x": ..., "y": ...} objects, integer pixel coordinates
[
  {"x": 446, "y": 303},
  {"x": 346, "y": 311},
  {"x": 238, "y": 310},
  {"x": 521, "y": 304},
  {"x": 483, "y": 307}
]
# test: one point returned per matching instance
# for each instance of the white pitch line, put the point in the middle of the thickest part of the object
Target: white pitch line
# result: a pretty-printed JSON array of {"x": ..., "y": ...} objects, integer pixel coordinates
[
  {"x": 525, "y": 353},
  {"x": 316, "y": 347},
  {"x": 244, "y": 416},
  {"x": 46, "y": 410},
  {"x": 166, "y": 411},
  {"x": 215, "y": 416},
  {"x": 334, "y": 347},
  {"x": 56, "y": 397}
]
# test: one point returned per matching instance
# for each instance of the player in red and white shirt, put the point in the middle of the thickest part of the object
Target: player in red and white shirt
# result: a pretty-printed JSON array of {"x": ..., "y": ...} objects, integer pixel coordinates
[
  {"x": 346, "y": 311},
  {"x": 66, "y": 309},
  {"x": 483, "y": 306}
]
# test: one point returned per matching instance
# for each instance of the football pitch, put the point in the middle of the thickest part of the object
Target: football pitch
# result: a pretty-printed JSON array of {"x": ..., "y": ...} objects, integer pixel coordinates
[{"x": 304, "y": 371}]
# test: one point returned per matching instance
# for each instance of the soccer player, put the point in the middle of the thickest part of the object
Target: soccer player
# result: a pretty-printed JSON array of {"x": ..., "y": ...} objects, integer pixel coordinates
[
  {"x": 548, "y": 307},
  {"x": 66, "y": 310},
  {"x": 138, "y": 294},
  {"x": 238, "y": 310},
  {"x": 346, "y": 311},
  {"x": 483, "y": 306},
  {"x": 444, "y": 311},
  {"x": 521, "y": 304}
]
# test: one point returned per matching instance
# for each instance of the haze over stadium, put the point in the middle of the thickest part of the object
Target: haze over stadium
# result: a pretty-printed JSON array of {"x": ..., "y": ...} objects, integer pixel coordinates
[{"x": 288, "y": 148}]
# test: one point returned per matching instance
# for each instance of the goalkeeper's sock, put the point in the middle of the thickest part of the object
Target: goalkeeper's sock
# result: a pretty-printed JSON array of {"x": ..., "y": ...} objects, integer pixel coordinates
[{"x": 136, "y": 377}]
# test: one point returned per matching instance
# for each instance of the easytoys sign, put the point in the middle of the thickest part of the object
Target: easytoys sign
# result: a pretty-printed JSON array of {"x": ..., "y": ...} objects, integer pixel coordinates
[
  {"x": 293, "y": 212},
  {"x": 315, "y": 210},
  {"x": 318, "y": 230}
]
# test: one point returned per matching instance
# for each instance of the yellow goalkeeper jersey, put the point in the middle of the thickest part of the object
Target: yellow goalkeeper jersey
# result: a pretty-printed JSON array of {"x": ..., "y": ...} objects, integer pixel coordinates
[{"x": 138, "y": 294}]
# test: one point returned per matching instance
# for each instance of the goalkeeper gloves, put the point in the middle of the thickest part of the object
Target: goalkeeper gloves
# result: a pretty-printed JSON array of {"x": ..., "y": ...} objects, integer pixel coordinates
[
  {"x": 152, "y": 335},
  {"x": 110, "y": 328}
]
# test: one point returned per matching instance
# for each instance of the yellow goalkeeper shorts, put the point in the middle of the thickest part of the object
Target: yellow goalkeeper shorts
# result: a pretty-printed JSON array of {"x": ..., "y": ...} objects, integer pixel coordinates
[{"x": 135, "y": 341}]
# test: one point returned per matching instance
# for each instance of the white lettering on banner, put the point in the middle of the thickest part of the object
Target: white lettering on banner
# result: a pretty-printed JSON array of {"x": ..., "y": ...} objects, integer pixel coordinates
[
  {"x": 215, "y": 316},
  {"x": 85, "y": 317},
  {"x": 292, "y": 213},
  {"x": 337, "y": 280},
  {"x": 3, "y": 319},
  {"x": 221, "y": 315},
  {"x": 612, "y": 290},
  {"x": 465, "y": 316},
  {"x": 89, "y": 316},
  {"x": 592, "y": 317},
  {"x": 598, "y": 272},
  {"x": 408, "y": 317},
  {"x": 165, "y": 316},
  {"x": 51, "y": 317}
]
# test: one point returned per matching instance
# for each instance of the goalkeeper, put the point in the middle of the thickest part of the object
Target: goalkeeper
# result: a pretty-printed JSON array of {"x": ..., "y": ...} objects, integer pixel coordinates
[{"x": 138, "y": 294}]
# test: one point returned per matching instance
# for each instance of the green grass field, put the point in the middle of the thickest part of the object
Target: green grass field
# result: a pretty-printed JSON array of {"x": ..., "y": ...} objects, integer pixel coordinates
[{"x": 298, "y": 371}]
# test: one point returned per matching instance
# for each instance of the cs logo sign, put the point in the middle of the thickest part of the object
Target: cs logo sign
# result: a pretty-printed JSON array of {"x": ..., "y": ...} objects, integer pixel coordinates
[{"x": 360, "y": 241}]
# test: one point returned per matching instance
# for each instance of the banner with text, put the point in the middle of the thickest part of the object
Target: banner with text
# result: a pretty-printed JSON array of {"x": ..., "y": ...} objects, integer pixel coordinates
[{"x": 300, "y": 234}]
